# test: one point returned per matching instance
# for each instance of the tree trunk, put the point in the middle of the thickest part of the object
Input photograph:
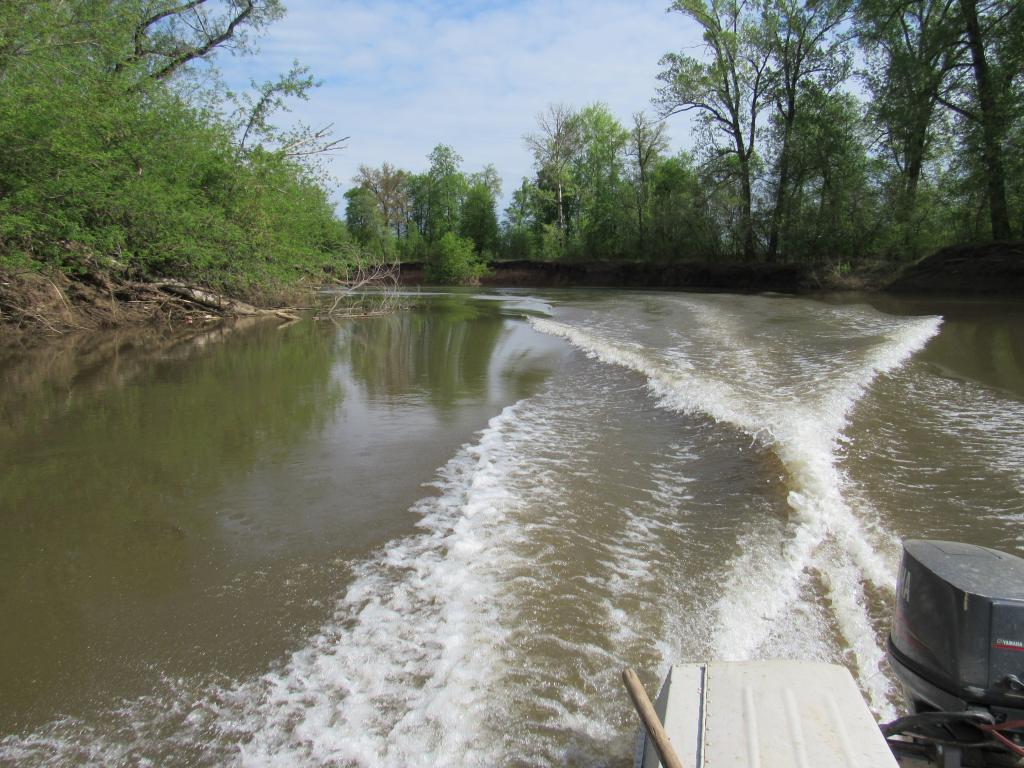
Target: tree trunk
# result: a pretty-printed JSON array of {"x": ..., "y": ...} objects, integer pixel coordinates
[
  {"x": 780, "y": 191},
  {"x": 914, "y": 162},
  {"x": 747, "y": 218},
  {"x": 561, "y": 216},
  {"x": 746, "y": 215},
  {"x": 641, "y": 203},
  {"x": 991, "y": 124}
]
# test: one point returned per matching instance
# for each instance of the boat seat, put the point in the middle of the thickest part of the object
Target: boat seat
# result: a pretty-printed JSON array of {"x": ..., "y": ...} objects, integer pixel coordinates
[{"x": 767, "y": 714}]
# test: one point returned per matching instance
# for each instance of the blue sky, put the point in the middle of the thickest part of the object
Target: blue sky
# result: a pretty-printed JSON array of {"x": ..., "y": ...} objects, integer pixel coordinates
[{"x": 401, "y": 77}]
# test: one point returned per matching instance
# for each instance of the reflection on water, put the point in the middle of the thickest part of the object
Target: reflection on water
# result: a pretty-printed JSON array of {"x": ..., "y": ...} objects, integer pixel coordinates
[
  {"x": 439, "y": 355},
  {"x": 103, "y": 469},
  {"x": 981, "y": 340},
  {"x": 982, "y": 351}
]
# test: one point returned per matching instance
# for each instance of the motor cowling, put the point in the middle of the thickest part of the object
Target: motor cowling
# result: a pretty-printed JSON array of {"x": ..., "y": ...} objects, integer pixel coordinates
[{"x": 957, "y": 639}]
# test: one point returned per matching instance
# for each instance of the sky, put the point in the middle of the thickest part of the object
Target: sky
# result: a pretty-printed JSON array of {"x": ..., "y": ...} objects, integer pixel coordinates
[{"x": 399, "y": 78}]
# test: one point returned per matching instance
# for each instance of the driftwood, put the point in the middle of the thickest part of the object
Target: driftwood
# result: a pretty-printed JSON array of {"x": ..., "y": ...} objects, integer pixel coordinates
[
  {"x": 53, "y": 304},
  {"x": 221, "y": 304},
  {"x": 368, "y": 290},
  {"x": 205, "y": 298}
]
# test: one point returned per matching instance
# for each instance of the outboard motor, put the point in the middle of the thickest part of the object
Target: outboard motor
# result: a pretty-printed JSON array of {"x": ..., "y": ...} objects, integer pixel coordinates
[{"x": 957, "y": 644}]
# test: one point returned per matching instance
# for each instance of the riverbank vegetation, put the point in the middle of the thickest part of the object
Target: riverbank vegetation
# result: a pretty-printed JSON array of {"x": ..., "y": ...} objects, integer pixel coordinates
[
  {"x": 830, "y": 135},
  {"x": 833, "y": 135},
  {"x": 125, "y": 159},
  {"x": 443, "y": 218}
]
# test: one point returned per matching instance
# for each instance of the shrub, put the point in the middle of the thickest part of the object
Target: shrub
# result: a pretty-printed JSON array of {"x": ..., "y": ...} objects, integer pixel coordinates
[{"x": 454, "y": 262}]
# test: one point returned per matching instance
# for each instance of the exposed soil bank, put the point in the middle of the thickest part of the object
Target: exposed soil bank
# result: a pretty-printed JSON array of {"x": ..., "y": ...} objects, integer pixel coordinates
[
  {"x": 992, "y": 268},
  {"x": 34, "y": 304},
  {"x": 784, "y": 278}
]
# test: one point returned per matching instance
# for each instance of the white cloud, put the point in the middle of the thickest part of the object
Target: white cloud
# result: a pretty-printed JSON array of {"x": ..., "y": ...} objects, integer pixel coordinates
[{"x": 400, "y": 78}]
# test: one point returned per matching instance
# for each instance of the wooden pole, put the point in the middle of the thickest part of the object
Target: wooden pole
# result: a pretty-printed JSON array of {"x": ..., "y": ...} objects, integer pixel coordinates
[{"x": 650, "y": 720}]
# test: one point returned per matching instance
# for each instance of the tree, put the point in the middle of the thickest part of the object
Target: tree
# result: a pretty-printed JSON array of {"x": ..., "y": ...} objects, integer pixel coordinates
[
  {"x": 681, "y": 222},
  {"x": 522, "y": 222},
  {"x": 729, "y": 91},
  {"x": 913, "y": 48},
  {"x": 804, "y": 50},
  {"x": 478, "y": 220},
  {"x": 598, "y": 174},
  {"x": 453, "y": 261},
  {"x": 417, "y": 190},
  {"x": 389, "y": 187},
  {"x": 167, "y": 35},
  {"x": 113, "y": 160},
  {"x": 42, "y": 29},
  {"x": 991, "y": 99},
  {"x": 270, "y": 97},
  {"x": 647, "y": 142},
  {"x": 554, "y": 148},
  {"x": 446, "y": 188},
  {"x": 363, "y": 219},
  {"x": 489, "y": 178},
  {"x": 833, "y": 213},
  {"x": 520, "y": 213}
]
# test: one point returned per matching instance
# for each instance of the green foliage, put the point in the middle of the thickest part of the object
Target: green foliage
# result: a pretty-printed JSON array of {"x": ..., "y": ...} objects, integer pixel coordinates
[
  {"x": 117, "y": 153},
  {"x": 729, "y": 90},
  {"x": 453, "y": 261},
  {"x": 682, "y": 227},
  {"x": 106, "y": 164},
  {"x": 413, "y": 247},
  {"x": 789, "y": 165},
  {"x": 446, "y": 190},
  {"x": 830, "y": 212},
  {"x": 478, "y": 220},
  {"x": 256, "y": 108},
  {"x": 407, "y": 215},
  {"x": 599, "y": 172},
  {"x": 518, "y": 244},
  {"x": 554, "y": 243},
  {"x": 364, "y": 221}
]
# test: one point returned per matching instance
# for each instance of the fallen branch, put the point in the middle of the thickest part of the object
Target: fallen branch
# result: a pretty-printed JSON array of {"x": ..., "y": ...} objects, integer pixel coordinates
[
  {"x": 208, "y": 299},
  {"x": 383, "y": 278}
]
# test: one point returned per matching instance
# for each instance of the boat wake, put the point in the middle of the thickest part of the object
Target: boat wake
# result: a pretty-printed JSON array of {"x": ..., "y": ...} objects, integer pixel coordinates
[
  {"x": 494, "y": 634},
  {"x": 834, "y": 540},
  {"x": 450, "y": 647}
]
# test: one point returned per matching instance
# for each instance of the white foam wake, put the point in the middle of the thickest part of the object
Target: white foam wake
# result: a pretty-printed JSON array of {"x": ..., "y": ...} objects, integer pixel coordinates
[
  {"x": 805, "y": 432},
  {"x": 399, "y": 677}
]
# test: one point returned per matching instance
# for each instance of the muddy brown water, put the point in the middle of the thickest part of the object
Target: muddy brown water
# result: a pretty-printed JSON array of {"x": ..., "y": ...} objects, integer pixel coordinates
[{"x": 434, "y": 538}]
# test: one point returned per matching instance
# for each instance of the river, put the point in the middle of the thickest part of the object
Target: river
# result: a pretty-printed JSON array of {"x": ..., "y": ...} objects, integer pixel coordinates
[{"x": 436, "y": 537}]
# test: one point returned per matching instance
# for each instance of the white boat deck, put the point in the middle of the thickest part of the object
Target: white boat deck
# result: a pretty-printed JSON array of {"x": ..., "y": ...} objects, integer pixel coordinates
[{"x": 767, "y": 714}]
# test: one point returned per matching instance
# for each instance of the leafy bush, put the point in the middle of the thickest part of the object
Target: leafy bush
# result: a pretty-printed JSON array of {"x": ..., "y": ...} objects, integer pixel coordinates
[
  {"x": 453, "y": 261},
  {"x": 553, "y": 243},
  {"x": 113, "y": 167}
]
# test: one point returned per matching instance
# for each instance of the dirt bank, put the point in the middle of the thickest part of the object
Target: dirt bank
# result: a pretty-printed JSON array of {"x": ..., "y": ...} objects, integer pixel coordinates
[
  {"x": 987, "y": 269},
  {"x": 963, "y": 270},
  {"x": 34, "y": 304},
  {"x": 783, "y": 278}
]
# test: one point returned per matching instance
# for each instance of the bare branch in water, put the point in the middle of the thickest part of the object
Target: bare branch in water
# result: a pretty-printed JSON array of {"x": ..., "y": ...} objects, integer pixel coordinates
[{"x": 354, "y": 300}]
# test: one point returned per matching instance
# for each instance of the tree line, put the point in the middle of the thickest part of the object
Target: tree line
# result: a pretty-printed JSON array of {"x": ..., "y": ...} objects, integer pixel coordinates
[
  {"x": 834, "y": 132},
  {"x": 443, "y": 217}
]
